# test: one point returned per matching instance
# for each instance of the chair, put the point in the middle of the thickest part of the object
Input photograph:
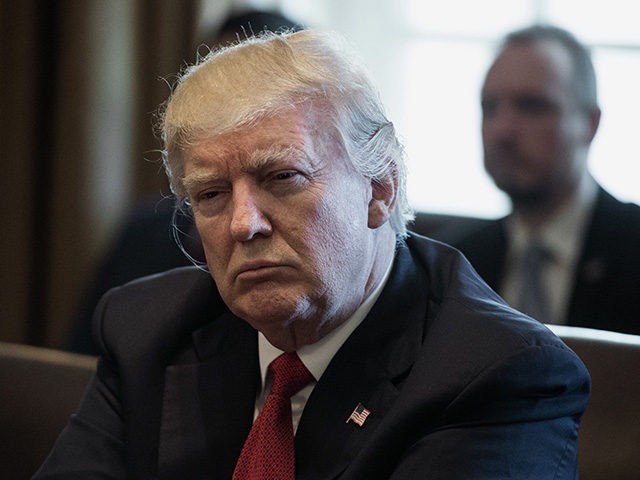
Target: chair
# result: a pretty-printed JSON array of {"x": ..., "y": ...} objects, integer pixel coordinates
[
  {"x": 609, "y": 439},
  {"x": 446, "y": 228},
  {"x": 40, "y": 389}
]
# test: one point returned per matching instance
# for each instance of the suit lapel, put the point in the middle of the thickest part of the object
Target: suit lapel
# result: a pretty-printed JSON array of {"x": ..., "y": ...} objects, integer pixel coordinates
[
  {"x": 228, "y": 381},
  {"x": 368, "y": 369},
  {"x": 208, "y": 404},
  {"x": 592, "y": 270}
]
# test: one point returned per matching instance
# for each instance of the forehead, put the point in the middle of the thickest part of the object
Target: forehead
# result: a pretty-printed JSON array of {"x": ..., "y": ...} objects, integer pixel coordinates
[
  {"x": 296, "y": 136},
  {"x": 285, "y": 131},
  {"x": 543, "y": 67}
]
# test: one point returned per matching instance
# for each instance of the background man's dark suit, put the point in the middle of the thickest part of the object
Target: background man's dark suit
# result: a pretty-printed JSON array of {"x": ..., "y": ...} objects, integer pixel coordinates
[
  {"x": 458, "y": 385},
  {"x": 606, "y": 293}
]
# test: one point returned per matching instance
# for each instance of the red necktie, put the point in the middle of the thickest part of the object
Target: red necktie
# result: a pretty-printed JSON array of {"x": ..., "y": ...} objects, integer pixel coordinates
[{"x": 268, "y": 452}]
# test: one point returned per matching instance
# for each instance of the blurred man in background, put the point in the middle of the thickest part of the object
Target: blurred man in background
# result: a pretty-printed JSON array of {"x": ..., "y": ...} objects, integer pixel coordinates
[{"x": 569, "y": 253}]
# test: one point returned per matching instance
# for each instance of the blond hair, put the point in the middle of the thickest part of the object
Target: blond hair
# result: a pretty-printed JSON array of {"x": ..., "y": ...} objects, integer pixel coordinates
[{"x": 260, "y": 76}]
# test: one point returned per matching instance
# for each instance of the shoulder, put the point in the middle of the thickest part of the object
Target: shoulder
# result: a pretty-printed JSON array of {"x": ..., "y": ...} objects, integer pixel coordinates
[
  {"x": 451, "y": 275},
  {"x": 154, "y": 309},
  {"x": 153, "y": 293},
  {"x": 483, "y": 359},
  {"x": 616, "y": 214},
  {"x": 614, "y": 223},
  {"x": 466, "y": 315}
]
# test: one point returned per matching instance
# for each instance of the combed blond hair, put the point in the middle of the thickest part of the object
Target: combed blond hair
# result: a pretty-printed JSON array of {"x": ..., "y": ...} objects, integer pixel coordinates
[{"x": 262, "y": 75}]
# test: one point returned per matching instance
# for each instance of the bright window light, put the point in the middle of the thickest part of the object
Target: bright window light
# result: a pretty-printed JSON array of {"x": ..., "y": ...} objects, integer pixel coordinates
[{"x": 429, "y": 58}]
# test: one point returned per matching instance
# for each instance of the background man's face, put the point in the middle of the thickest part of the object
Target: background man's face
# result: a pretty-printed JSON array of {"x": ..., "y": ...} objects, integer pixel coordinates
[{"x": 534, "y": 134}]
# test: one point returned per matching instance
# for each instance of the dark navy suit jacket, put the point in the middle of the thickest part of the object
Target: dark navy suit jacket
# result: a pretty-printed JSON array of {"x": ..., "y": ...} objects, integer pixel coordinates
[
  {"x": 606, "y": 293},
  {"x": 458, "y": 385}
]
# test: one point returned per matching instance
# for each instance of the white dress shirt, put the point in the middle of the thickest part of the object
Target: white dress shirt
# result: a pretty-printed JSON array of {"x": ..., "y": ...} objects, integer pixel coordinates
[{"x": 563, "y": 237}]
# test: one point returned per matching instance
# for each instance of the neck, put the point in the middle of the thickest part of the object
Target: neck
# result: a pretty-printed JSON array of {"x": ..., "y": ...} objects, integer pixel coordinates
[{"x": 535, "y": 212}]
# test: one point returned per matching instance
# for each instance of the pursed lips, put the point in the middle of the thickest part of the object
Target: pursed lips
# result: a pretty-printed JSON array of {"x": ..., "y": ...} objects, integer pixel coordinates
[{"x": 255, "y": 268}]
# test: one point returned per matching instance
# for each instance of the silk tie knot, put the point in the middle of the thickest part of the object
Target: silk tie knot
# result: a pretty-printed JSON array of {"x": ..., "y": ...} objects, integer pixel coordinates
[{"x": 289, "y": 375}]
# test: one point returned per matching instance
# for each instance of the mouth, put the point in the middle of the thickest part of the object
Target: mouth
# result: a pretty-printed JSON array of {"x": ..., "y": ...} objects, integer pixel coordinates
[{"x": 256, "y": 269}]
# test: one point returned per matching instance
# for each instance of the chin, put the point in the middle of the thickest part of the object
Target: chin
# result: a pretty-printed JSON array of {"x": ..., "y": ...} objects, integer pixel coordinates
[
  {"x": 525, "y": 196},
  {"x": 268, "y": 310}
]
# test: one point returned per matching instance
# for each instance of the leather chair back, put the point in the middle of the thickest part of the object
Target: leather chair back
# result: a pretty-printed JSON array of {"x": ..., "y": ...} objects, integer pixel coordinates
[
  {"x": 609, "y": 439},
  {"x": 39, "y": 389}
]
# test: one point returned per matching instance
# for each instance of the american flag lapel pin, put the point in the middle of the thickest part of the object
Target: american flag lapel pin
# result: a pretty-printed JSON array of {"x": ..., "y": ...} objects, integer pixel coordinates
[{"x": 359, "y": 415}]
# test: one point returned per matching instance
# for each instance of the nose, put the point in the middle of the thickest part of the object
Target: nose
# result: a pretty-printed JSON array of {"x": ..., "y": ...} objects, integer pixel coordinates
[{"x": 248, "y": 219}]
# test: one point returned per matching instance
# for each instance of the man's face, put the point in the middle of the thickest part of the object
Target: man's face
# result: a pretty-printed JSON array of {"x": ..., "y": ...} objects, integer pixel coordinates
[
  {"x": 283, "y": 218},
  {"x": 535, "y": 136}
]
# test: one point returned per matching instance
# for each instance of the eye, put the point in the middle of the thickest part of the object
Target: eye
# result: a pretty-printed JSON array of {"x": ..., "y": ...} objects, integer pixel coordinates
[
  {"x": 209, "y": 195},
  {"x": 534, "y": 105},
  {"x": 286, "y": 182},
  {"x": 284, "y": 175},
  {"x": 210, "y": 202}
]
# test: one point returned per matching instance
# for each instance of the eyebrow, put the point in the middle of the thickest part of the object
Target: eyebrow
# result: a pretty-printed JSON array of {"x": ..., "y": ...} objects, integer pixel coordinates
[
  {"x": 264, "y": 157},
  {"x": 257, "y": 160},
  {"x": 196, "y": 179}
]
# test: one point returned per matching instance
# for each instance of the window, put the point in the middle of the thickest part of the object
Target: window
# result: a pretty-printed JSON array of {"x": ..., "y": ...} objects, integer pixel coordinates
[{"x": 429, "y": 58}]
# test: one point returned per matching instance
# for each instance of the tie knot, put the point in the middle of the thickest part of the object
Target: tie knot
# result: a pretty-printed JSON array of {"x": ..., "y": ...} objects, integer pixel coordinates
[
  {"x": 289, "y": 374},
  {"x": 536, "y": 254}
]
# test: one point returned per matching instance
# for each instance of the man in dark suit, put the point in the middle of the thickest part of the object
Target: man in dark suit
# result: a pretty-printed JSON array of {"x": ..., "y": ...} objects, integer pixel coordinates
[
  {"x": 318, "y": 315},
  {"x": 567, "y": 241}
]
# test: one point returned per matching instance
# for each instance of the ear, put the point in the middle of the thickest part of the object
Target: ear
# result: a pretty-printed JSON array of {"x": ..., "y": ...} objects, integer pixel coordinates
[
  {"x": 594, "y": 123},
  {"x": 383, "y": 199}
]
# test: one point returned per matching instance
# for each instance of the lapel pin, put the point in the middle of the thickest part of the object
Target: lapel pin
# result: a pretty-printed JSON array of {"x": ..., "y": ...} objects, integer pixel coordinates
[{"x": 359, "y": 415}]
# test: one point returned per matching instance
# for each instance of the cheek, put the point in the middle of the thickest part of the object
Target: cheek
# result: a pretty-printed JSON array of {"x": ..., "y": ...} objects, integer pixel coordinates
[
  {"x": 541, "y": 145},
  {"x": 345, "y": 213},
  {"x": 553, "y": 147},
  {"x": 339, "y": 230},
  {"x": 215, "y": 248},
  {"x": 206, "y": 230}
]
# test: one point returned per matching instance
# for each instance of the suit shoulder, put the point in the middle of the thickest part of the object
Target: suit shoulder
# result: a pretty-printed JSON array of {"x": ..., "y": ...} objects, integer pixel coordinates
[
  {"x": 156, "y": 308},
  {"x": 614, "y": 223},
  {"x": 177, "y": 279},
  {"x": 463, "y": 304},
  {"x": 618, "y": 215},
  {"x": 450, "y": 273}
]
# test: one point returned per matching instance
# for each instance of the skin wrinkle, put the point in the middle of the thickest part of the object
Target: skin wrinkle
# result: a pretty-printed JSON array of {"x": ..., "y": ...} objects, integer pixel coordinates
[{"x": 259, "y": 159}]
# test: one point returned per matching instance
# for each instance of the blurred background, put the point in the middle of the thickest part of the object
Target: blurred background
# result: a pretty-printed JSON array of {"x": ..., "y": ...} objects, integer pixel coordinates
[{"x": 81, "y": 80}]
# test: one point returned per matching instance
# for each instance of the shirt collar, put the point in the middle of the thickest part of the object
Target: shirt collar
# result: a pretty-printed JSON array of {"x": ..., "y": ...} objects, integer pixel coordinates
[{"x": 316, "y": 357}]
